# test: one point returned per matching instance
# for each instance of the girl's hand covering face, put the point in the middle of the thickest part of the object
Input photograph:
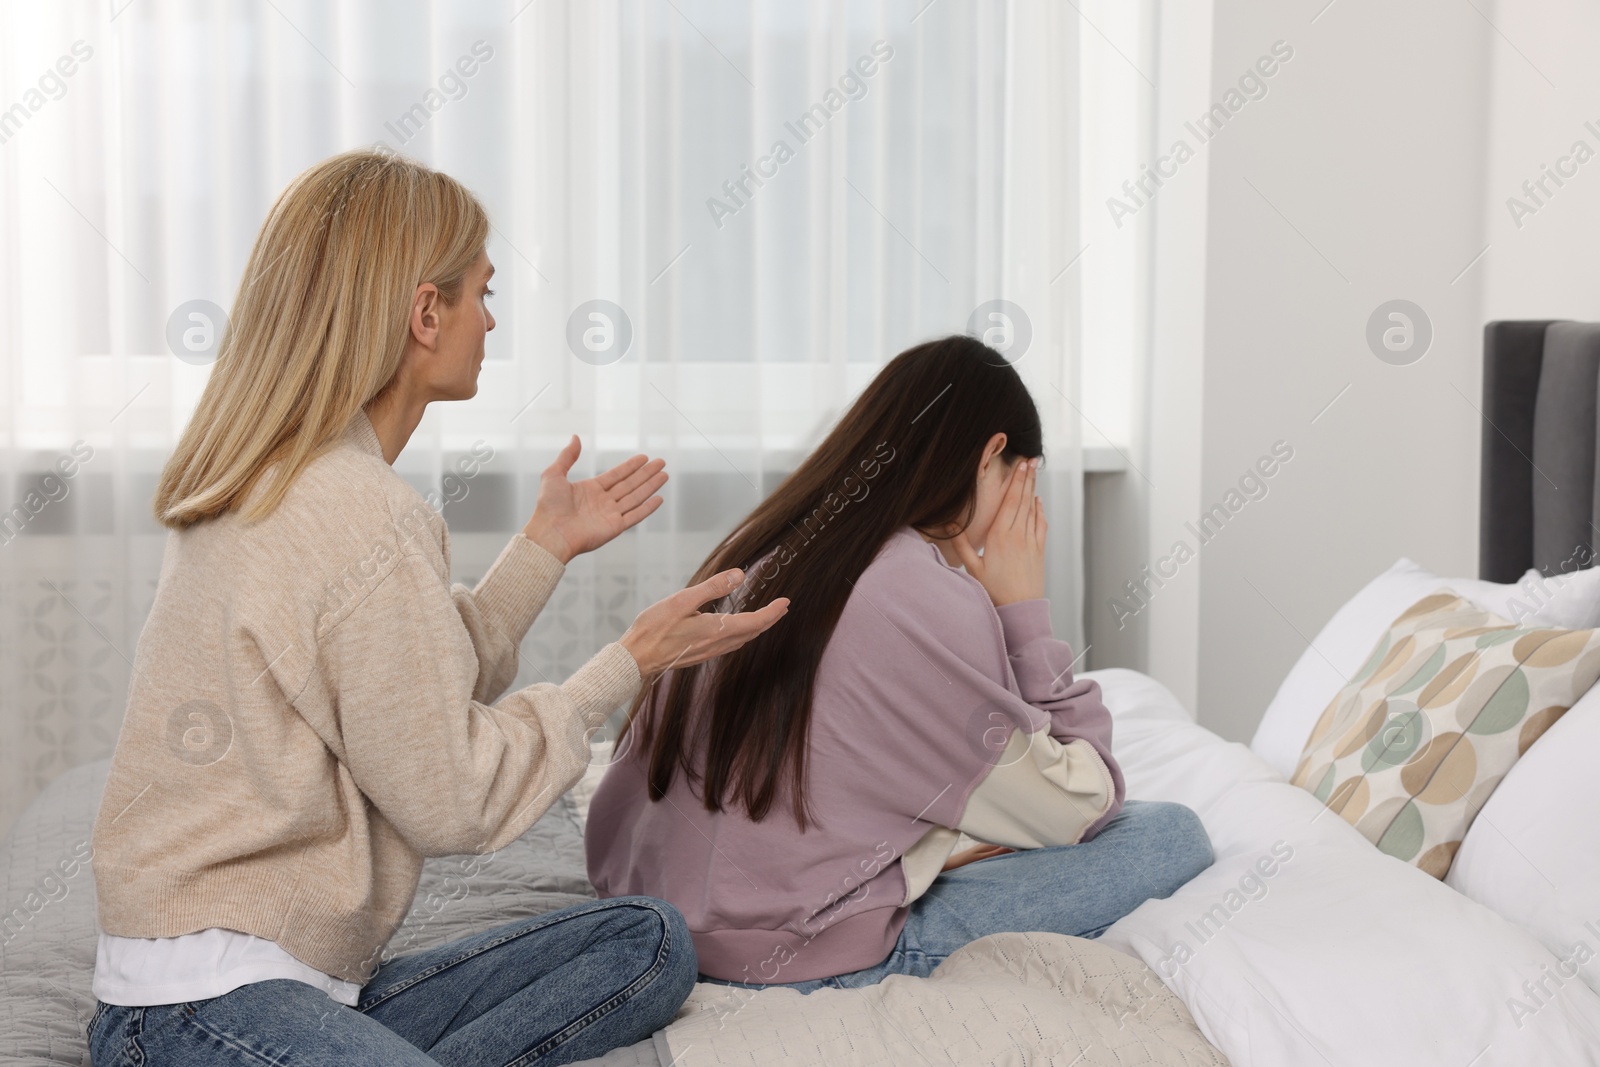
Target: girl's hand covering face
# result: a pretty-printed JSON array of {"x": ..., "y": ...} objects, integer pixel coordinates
[{"x": 1011, "y": 568}]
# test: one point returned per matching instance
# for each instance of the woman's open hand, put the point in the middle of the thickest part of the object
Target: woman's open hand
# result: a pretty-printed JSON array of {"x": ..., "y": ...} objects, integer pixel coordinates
[
  {"x": 574, "y": 517},
  {"x": 676, "y": 633},
  {"x": 1012, "y": 565}
]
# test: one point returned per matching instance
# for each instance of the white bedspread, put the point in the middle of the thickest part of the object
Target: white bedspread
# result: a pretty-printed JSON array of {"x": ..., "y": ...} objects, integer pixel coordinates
[{"x": 1343, "y": 956}]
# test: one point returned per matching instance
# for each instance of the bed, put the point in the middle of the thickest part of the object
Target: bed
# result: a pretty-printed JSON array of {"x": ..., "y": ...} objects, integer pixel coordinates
[{"x": 1301, "y": 944}]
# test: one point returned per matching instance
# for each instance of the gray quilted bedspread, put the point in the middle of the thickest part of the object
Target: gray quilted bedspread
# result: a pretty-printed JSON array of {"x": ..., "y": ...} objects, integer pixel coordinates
[
  {"x": 47, "y": 931},
  {"x": 1004, "y": 999}
]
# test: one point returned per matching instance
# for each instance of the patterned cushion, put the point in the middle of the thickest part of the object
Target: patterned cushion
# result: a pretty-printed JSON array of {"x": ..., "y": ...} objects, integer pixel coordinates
[{"x": 1451, "y": 697}]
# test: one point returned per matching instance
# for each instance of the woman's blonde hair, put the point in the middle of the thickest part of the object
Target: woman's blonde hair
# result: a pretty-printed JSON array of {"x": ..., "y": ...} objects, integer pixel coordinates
[{"x": 319, "y": 324}]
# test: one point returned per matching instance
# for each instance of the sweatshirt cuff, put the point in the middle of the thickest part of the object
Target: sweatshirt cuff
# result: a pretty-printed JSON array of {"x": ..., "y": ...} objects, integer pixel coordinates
[
  {"x": 609, "y": 680},
  {"x": 1024, "y": 622},
  {"x": 517, "y": 586}
]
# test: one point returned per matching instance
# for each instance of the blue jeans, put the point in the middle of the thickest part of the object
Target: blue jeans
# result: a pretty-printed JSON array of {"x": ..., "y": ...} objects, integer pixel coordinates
[
  {"x": 1147, "y": 850},
  {"x": 564, "y": 986}
]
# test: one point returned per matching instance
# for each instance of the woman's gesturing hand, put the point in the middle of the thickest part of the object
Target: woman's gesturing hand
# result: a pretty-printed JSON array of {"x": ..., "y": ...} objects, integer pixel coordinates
[
  {"x": 574, "y": 517},
  {"x": 1012, "y": 565},
  {"x": 676, "y": 633}
]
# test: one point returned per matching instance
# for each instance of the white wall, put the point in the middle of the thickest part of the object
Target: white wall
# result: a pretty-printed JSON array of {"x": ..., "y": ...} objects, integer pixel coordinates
[
  {"x": 1175, "y": 422},
  {"x": 1539, "y": 104},
  {"x": 1357, "y": 179},
  {"x": 1163, "y": 475}
]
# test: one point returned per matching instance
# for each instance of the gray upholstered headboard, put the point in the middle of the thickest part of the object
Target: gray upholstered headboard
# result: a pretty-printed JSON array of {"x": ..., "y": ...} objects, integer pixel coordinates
[{"x": 1538, "y": 502}]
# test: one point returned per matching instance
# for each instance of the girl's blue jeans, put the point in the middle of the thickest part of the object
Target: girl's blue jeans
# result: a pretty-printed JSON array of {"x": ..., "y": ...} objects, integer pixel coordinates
[{"x": 1148, "y": 849}]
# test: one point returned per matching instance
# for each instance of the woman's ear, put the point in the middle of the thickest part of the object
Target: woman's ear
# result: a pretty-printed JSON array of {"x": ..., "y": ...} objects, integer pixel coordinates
[
  {"x": 425, "y": 315},
  {"x": 996, "y": 445}
]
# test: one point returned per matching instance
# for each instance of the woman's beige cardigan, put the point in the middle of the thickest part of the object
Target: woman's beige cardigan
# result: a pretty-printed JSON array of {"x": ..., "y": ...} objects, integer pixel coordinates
[{"x": 313, "y": 710}]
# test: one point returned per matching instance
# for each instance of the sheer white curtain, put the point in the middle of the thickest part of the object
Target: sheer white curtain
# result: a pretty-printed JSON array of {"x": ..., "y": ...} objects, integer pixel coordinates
[{"x": 628, "y": 152}]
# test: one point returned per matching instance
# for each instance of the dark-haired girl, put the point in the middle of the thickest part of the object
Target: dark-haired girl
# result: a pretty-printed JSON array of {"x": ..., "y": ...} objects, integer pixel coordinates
[{"x": 799, "y": 801}]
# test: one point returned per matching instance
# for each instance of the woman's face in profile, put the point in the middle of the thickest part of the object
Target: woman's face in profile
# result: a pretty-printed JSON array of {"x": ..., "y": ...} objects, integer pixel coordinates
[{"x": 462, "y": 328}]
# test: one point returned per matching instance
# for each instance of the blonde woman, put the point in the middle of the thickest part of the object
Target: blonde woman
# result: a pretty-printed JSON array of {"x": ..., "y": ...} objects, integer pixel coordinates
[{"x": 315, "y": 708}]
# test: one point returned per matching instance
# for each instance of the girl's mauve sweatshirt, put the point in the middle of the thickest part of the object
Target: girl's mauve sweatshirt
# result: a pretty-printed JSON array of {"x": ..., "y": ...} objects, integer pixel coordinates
[{"x": 934, "y": 713}]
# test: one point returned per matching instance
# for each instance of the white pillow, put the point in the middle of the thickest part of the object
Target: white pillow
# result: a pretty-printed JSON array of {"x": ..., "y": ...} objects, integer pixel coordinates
[
  {"x": 1303, "y": 945},
  {"x": 1570, "y": 601},
  {"x": 1533, "y": 852}
]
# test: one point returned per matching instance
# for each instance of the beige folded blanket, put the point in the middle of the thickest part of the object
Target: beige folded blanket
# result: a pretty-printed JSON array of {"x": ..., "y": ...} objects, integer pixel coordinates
[{"x": 1004, "y": 999}]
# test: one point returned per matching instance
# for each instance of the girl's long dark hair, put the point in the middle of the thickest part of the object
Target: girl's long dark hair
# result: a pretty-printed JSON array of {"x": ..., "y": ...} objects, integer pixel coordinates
[{"x": 906, "y": 453}]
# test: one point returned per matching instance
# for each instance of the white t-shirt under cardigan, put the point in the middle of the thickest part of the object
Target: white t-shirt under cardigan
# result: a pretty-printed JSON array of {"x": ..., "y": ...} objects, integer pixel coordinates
[{"x": 145, "y": 971}]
